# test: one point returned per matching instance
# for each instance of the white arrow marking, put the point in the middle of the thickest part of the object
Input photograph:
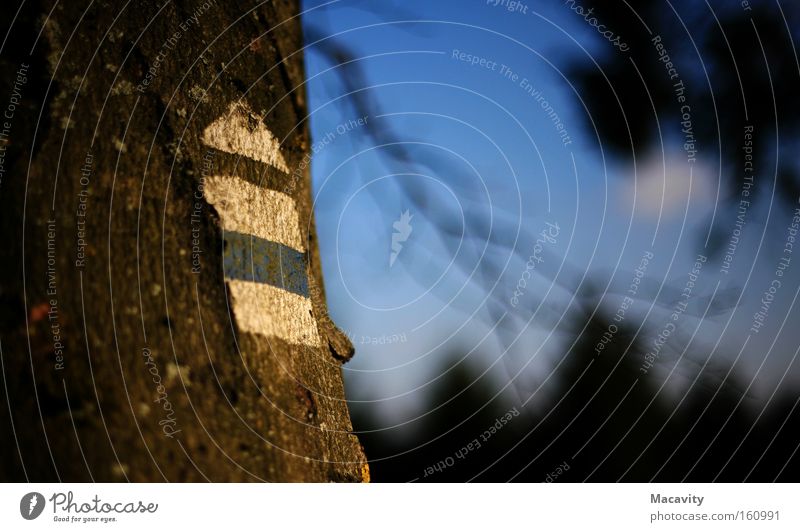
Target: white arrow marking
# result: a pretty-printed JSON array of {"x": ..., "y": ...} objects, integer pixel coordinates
[{"x": 242, "y": 132}]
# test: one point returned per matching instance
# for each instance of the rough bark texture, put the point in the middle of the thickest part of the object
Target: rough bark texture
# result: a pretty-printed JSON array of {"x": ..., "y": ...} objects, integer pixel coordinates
[{"x": 235, "y": 405}]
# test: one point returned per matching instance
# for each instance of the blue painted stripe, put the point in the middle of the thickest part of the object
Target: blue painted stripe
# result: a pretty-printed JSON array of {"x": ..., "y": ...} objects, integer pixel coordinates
[{"x": 250, "y": 258}]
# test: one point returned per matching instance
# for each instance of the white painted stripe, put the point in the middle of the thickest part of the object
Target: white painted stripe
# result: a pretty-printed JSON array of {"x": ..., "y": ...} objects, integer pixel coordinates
[
  {"x": 250, "y": 209},
  {"x": 242, "y": 132},
  {"x": 263, "y": 309}
]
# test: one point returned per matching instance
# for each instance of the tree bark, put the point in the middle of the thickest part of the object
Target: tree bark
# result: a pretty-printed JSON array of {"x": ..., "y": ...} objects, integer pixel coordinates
[{"x": 163, "y": 316}]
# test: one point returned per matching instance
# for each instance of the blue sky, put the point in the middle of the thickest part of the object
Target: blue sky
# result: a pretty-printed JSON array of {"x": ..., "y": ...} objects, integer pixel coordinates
[{"x": 510, "y": 167}]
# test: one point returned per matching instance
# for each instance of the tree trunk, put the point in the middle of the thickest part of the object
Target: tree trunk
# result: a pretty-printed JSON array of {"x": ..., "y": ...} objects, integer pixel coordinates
[{"x": 163, "y": 312}]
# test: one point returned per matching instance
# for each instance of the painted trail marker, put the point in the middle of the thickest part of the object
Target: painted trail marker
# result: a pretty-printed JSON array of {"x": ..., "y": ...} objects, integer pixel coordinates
[
  {"x": 242, "y": 132},
  {"x": 264, "y": 255}
]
